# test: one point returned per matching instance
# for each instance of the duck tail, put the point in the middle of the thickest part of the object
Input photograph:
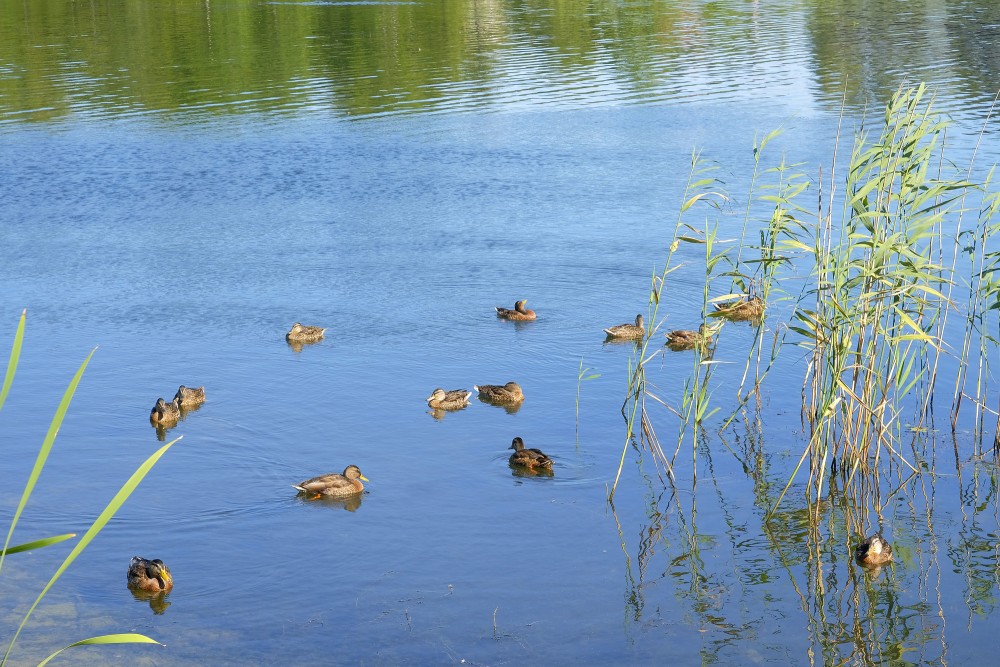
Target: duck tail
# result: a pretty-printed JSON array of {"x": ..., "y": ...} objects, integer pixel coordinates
[{"x": 300, "y": 488}]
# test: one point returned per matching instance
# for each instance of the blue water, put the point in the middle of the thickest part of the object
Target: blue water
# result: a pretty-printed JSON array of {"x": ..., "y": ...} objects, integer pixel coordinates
[{"x": 184, "y": 246}]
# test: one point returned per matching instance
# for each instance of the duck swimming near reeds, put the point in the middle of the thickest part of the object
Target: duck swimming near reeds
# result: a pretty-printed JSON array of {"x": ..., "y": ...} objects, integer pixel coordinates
[
  {"x": 873, "y": 552},
  {"x": 507, "y": 394},
  {"x": 528, "y": 458},
  {"x": 149, "y": 575},
  {"x": 685, "y": 339},
  {"x": 517, "y": 314},
  {"x": 189, "y": 397},
  {"x": 334, "y": 485},
  {"x": 300, "y": 333},
  {"x": 627, "y": 331},
  {"x": 747, "y": 308},
  {"x": 165, "y": 414},
  {"x": 454, "y": 399}
]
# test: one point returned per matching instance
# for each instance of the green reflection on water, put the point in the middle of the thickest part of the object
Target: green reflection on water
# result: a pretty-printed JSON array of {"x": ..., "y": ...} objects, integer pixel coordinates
[{"x": 362, "y": 58}]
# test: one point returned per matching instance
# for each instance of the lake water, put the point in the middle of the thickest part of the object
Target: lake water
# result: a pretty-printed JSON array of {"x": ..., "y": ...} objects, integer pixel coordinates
[{"x": 182, "y": 181}]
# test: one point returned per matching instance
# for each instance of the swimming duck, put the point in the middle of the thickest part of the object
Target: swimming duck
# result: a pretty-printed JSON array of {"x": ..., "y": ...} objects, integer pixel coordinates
[
  {"x": 627, "y": 331},
  {"x": 874, "y": 551},
  {"x": 518, "y": 314},
  {"x": 684, "y": 339},
  {"x": 454, "y": 399},
  {"x": 334, "y": 484},
  {"x": 529, "y": 458},
  {"x": 300, "y": 333},
  {"x": 188, "y": 397},
  {"x": 506, "y": 394},
  {"x": 149, "y": 575},
  {"x": 165, "y": 413},
  {"x": 743, "y": 309}
]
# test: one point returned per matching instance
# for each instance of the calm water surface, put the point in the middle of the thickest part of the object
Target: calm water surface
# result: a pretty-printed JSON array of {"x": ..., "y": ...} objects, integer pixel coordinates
[{"x": 182, "y": 181}]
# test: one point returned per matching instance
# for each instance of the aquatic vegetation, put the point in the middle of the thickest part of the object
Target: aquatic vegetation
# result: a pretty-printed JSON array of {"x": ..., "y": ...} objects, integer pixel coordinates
[
  {"x": 109, "y": 511},
  {"x": 871, "y": 317}
]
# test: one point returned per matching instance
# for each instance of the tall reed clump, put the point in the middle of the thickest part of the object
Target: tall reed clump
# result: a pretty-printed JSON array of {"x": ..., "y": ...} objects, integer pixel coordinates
[
  {"x": 701, "y": 186},
  {"x": 99, "y": 523},
  {"x": 872, "y": 314},
  {"x": 871, "y": 319}
]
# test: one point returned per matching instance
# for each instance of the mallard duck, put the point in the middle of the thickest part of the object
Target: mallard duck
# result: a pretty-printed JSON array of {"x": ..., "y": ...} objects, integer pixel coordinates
[
  {"x": 149, "y": 575},
  {"x": 874, "y": 551},
  {"x": 685, "y": 339},
  {"x": 529, "y": 458},
  {"x": 300, "y": 333},
  {"x": 165, "y": 413},
  {"x": 518, "y": 314},
  {"x": 454, "y": 399},
  {"x": 188, "y": 397},
  {"x": 627, "y": 331},
  {"x": 741, "y": 310},
  {"x": 507, "y": 394},
  {"x": 334, "y": 484}
]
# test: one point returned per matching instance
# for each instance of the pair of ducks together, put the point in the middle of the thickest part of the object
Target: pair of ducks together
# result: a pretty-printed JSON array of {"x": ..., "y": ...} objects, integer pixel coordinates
[
  {"x": 167, "y": 414},
  {"x": 348, "y": 483}
]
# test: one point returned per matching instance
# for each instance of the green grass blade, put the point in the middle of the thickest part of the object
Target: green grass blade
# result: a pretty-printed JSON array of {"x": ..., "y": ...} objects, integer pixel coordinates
[
  {"x": 43, "y": 452},
  {"x": 124, "y": 638},
  {"x": 94, "y": 529},
  {"x": 38, "y": 544},
  {"x": 15, "y": 355}
]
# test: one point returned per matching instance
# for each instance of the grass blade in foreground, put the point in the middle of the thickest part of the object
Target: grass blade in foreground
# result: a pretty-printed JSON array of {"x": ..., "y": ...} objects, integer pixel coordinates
[
  {"x": 126, "y": 638},
  {"x": 15, "y": 355},
  {"x": 43, "y": 452},
  {"x": 92, "y": 532},
  {"x": 38, "y": 544}
]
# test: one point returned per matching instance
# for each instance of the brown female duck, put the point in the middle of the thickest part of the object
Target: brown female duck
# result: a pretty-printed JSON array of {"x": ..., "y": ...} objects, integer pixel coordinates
[
  {"x": 685, "y": 339},
  {"x": 507, "y": 394},
  {"x": 149, "y": 575},
  {"x": 165, "y": 414},
  {"x": 334, "y": 485},
  {"x": 529, "y": 458},
  {"x": 742, "y": 310},
  {"x": 873, "y": 552},
  {"x": 189, "y": 397},
  {"x": 454, "y": 399},
  {"x": 627, "y": 331},
  {"x": 300, "y": 333},
  {"x": 518, "y": 314}
]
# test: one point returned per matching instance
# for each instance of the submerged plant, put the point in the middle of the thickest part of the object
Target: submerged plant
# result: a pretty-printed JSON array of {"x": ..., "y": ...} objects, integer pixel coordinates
[{"x": 98, "y": 524}]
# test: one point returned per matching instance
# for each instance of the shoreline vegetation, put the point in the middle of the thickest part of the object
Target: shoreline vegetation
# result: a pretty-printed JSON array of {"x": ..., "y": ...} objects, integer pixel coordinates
[{"x": 896, "y": 248}]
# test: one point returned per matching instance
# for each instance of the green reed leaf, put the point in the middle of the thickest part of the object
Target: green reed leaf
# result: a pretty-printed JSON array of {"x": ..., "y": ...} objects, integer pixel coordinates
[
  {"x": 15, "y": 355},
  {"x": 38, "y": 544},
  {"x": 43, "y": 452},
  {"x": 124, "y": 638}
]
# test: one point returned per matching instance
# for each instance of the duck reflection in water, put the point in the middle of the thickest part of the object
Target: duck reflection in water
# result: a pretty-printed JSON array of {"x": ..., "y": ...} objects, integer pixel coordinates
[
  {"x": 157, "y": 599},
  {"x": 349, "y": 503}
]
